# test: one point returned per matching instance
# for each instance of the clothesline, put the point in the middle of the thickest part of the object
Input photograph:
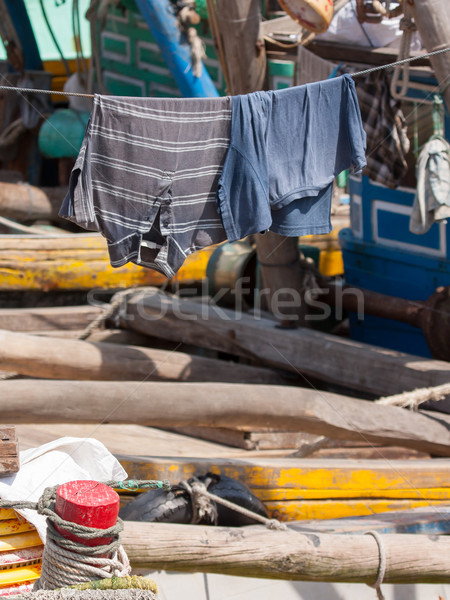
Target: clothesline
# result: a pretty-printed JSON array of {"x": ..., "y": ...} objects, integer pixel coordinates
[{"x": 357, "y": 74}]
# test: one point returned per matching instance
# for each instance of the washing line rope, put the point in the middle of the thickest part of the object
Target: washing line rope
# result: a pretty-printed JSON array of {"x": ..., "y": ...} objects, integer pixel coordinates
[{"x": 8, "y": 88}]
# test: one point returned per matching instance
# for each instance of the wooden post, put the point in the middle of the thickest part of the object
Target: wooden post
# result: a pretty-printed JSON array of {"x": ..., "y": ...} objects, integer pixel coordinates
[
  {"x": 245, "y": 60},
  {"x": 433, "y": 22},
  {"x": 239, "y": 27}
]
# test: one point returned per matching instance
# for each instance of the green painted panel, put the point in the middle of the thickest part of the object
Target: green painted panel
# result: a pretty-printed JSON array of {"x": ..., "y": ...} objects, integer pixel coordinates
[
  {"x": 281, "y": 74},
  {"x": 143, "y": 60}
]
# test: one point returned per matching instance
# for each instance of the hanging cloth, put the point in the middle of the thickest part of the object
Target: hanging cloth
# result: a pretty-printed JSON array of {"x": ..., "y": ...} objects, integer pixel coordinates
[{"x": 432, "y": 200}]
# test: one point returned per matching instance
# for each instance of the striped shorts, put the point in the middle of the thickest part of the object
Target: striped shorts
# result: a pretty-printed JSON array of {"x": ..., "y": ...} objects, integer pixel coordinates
[{"x": 146, "y": 177}]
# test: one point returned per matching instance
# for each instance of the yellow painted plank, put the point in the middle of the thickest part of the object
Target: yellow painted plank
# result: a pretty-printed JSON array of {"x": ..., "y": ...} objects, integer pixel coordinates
[
  {"x": 331, "y": 263},
  {"x": 82, "y": 264},
  {"x": 336, "y": 509},
  {"x": 304, "y": 474},
  {"x": 19, "y": 541},
  {"x": 7, "y": 513},
  {"x": 13, "y": 526},
  {"x": 300, "y": 494},
  {"x": 19, "y": 575}
]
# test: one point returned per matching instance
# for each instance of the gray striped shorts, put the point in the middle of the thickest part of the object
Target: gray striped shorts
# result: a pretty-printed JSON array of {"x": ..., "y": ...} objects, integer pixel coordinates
[{"x": 146, "y": 177}]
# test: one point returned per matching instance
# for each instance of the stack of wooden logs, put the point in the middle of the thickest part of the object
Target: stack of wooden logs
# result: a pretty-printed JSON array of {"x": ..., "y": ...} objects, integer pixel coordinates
[
  {"x": 85, "y": 381},
  {"x": 176, "y": 363}
]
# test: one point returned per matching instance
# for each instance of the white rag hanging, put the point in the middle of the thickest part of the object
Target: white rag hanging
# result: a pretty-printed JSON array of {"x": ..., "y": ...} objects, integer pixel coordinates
[{"x": 432, "y": 201}]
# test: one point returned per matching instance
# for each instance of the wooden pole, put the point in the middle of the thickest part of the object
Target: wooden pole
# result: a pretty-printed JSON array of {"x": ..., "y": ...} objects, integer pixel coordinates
[
  {"x": 162, "y": 404},
  {"x": 243, "y": 46},
  {"x": 308, "y": 353},
  {"x": 433, "y": 22},
  {"x": 57, "y": 358},
  {"x": 245, "y": 62},
  {"x": 255, "y": 551}
]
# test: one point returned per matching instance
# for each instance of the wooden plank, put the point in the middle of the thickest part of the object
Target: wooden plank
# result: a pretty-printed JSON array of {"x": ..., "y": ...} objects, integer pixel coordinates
[
  {"x": 353, "y": 365},
  {"x": 378, "y": 452},
  {"x": 250, "y": 440},
  {"x": 337, "y": 509},
  {"x": 166, "y": 404},
  {"x": 435, "y": 521},
  {"x": 80, "y": 261},
  {"x": 255, "y": 551},
  {"x": 56, "y": 358},
  {"x": 18, "y": 541},
  {"x": 129, "y": 439},
  {"x": 9, "y": 451},
  {"x": 300, "y": 494},
  {"x": 19, "y": 575},
  {"x": 58, "y": 317},
  {"x": 300, "y": 475},
  {"x": 306, "y": 444}
]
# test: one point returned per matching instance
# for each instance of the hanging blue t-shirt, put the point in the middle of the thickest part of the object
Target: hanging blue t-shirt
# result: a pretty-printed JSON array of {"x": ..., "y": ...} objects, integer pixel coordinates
[{"x": 286, "y": 148}]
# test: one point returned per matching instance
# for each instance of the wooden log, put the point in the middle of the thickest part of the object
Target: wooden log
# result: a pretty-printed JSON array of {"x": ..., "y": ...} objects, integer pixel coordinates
[
  {"x": 255, "y": 551},
  {"x": 163, "y": 404},
  {"x": 28, "y": 203},
  {"x": 56, "y": 358},
  {"x": 348, "y": 363},
  {"x": 48, "y": 318}
]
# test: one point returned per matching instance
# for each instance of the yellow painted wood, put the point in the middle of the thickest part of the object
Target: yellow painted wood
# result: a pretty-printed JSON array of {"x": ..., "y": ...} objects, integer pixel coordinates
[
  {"x": 80, "y": 262},
  {"x": 20, "y": 575},
  {"x": 419, "y": 494},
  {"x": 14, "y": 526},
  {"x": 19, "y": 541},
  {"x": 303, "y": 474},
  {"x": 7, "y": 513},
  {"x": 58, "y": 71},
  {"x": 318, "y": 488},
  {"x": 331, "y": 263},
  {"x": 336, "y": 509}
]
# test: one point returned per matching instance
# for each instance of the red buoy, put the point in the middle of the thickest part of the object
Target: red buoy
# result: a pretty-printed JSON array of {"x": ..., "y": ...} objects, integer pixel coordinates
[{"x": 88, "y": 503}]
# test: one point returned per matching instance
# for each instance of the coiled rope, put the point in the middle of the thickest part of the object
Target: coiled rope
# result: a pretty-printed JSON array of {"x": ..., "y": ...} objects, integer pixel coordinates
[{"x": 66, "y": 562}]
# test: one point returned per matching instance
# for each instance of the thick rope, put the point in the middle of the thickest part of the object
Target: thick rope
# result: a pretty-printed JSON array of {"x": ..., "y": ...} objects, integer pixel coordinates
[
  {"x": 203, "y": 508},
  {"x": 65, "y": 561},
  {"x": 108, "y": 312},
  {"x": 201, "y": 490},
  {"x": 8, "y": 88},
  {"x": 417, "y": 397},
  {"x": 381, "y": 566}
]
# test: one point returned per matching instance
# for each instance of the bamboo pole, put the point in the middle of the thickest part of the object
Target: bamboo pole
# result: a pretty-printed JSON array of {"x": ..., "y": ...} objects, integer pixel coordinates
[
  {"x": 57, "y": 358},
  {"x": 255, "y": 551},
  {"x": 163, "y": 404}
]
